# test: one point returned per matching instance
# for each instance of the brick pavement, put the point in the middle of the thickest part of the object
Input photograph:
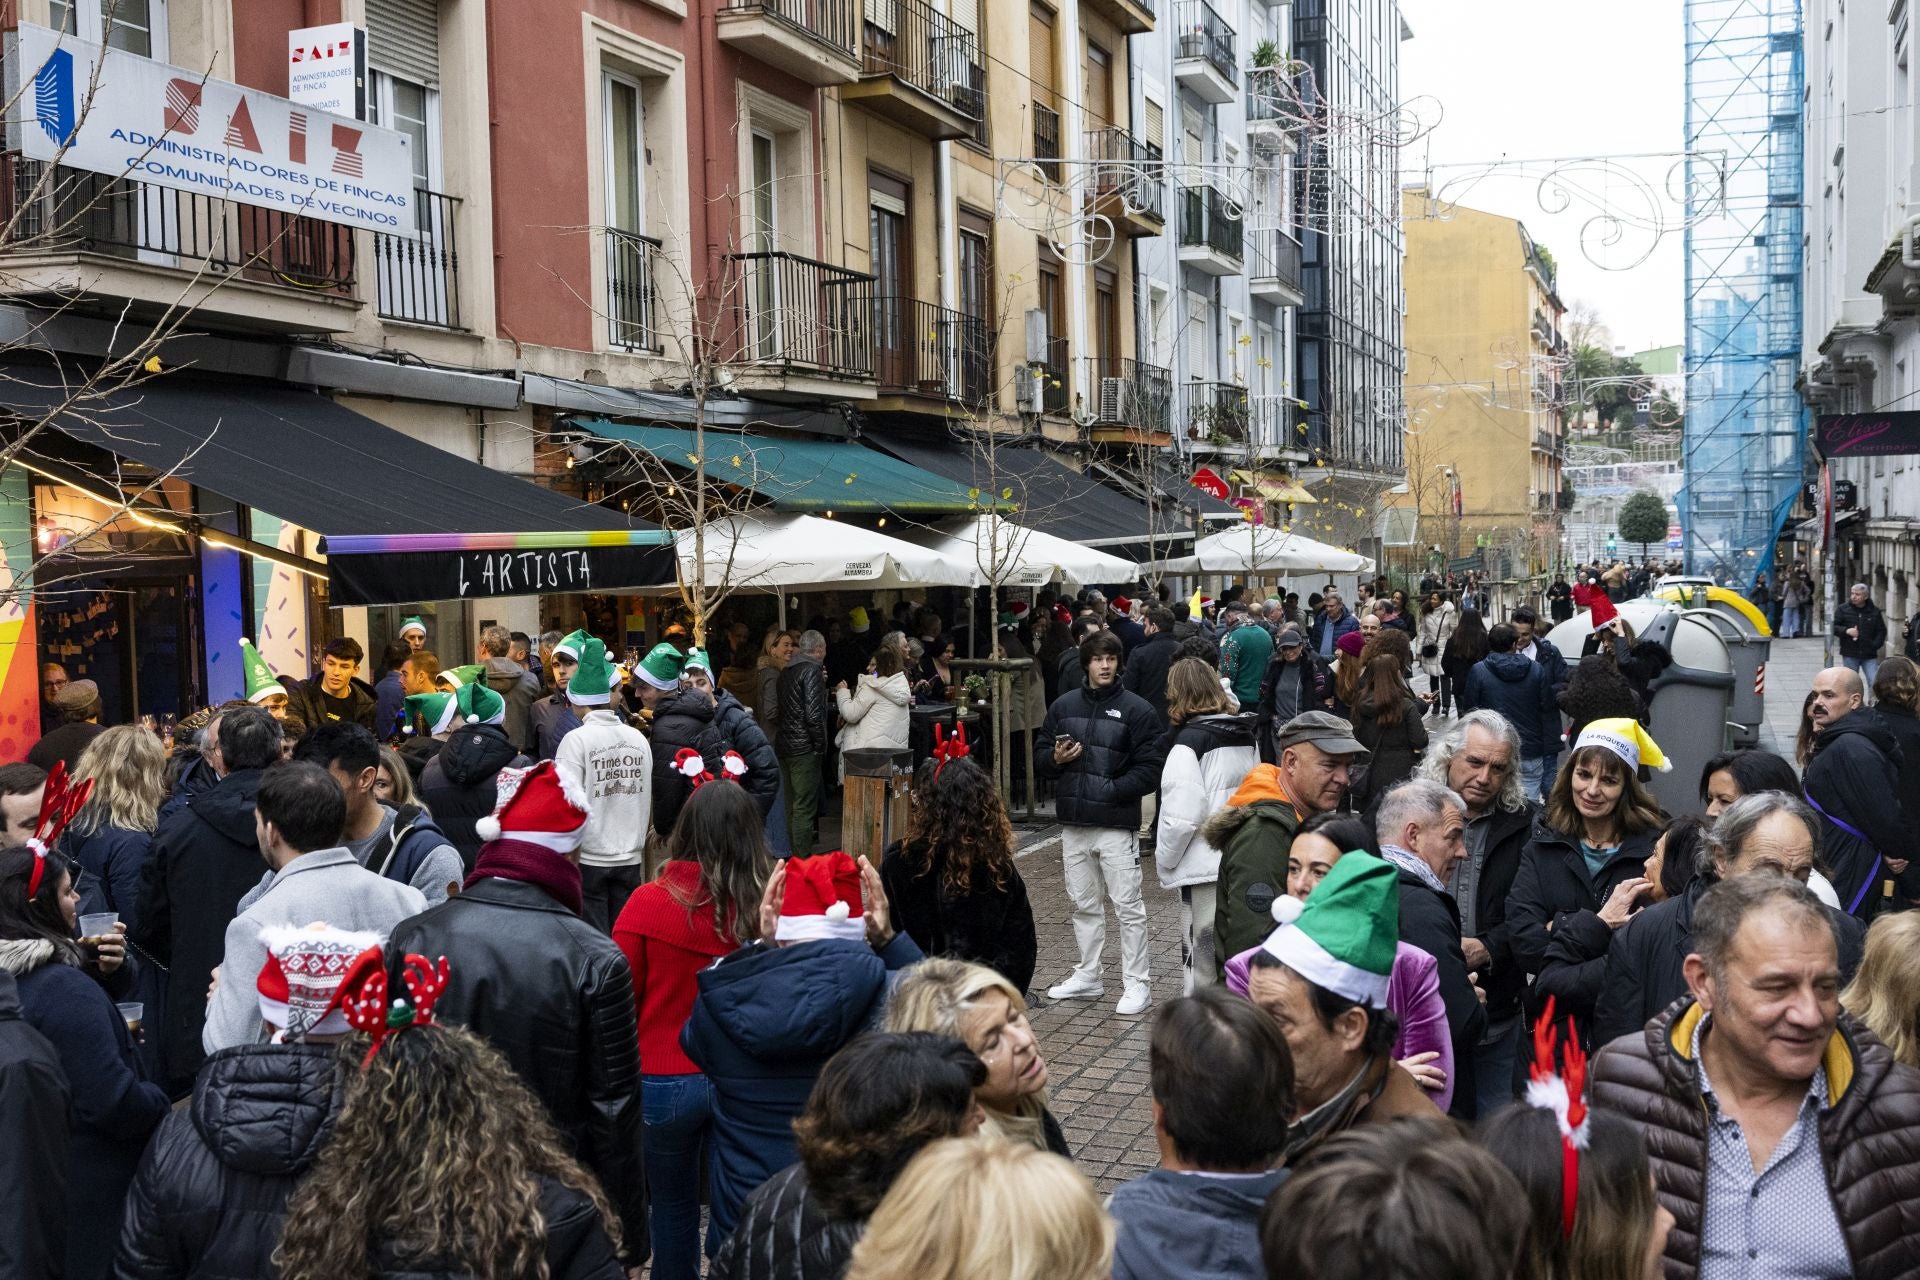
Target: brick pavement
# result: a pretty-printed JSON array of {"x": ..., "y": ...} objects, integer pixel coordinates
[{"x": 1096, "y": 1059}]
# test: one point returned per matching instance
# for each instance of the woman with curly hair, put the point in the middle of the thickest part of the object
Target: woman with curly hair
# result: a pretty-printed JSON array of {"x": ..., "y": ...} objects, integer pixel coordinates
[
  {"x": 702, "y": 905},
  {"x": 441, "y": 1161},
  {"x": 951, "y": 883},
  {"x": 878, "y": 1102},
  {"x": 974, "y": 1004}
]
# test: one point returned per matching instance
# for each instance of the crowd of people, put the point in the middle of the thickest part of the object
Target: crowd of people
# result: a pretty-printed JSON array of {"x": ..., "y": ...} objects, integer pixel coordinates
[{"x": 535, "y": 966}]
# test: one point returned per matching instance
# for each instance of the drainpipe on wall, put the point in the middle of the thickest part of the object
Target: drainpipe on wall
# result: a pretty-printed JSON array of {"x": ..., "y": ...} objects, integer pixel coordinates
[{"x": 1076, "y": 272}]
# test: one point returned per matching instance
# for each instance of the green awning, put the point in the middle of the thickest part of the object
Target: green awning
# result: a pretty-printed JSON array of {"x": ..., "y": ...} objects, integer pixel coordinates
[{"x": 810, "y": 475}]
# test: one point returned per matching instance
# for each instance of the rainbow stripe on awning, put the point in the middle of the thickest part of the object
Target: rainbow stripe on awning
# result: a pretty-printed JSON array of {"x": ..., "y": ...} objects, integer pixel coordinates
[{"x": 394, "y": 543}]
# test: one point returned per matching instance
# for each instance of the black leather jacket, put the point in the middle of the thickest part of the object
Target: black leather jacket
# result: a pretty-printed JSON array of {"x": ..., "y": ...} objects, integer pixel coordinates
[
  {"x": 555, "y": 996},
  {"x": 802, "y": 693}
]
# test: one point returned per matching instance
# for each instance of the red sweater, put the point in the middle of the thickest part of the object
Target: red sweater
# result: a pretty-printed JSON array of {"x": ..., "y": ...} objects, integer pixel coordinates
[{"x": 666, "y": 946}]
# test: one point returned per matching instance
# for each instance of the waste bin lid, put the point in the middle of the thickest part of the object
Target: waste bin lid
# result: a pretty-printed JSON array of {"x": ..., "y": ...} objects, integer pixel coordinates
[
  {"x": 875, "y": 762},
  {"x": 1697, "y": 646}
]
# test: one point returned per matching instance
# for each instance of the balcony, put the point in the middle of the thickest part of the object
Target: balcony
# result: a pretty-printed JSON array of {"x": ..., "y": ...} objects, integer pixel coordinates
[
  {"x": 1269, "y": 93},
  {"x": 633, "y": 292},
  {"x": 793, "y": 326},
  {"x": 1130, "y": 17},
  {"x": 101, "y": 242},
  {"x": 1045, "y": 386},
  {"x": 1543, "y": 330},
  {"x": 925, "y": 353},
  {"x": 1274, "y": 273},
  {"x": 1215, "y": 415},
  {"x": 1046, "y": 141},
  {"x": 1546, "y": 442},
  {"x": 1204, "y": 61},
  {"x": 817, "y": 41},
  {"x": 1129, "y": 186},
  {"x": 1127, "y": 402},
  {"x": 1279, "y": 428},
  {"x": 919, "y": 69},
  {"x": 1211, "y": 231},
  {"x": 419, "y": 274}
]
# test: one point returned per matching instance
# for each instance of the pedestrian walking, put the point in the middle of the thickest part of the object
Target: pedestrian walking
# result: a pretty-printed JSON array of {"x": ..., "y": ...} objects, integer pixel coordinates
[
  {"x": 1245, "y": 651},
  {"x": 1795, "y": 598},
  {"x": 1150, "y": 662},
  {"x": 1462, "y": 651},
  {"x": 1437, "y": 625},
  {"x": 1862, "y": 630},
  {"x": 1387, "y": 721},
  {"x": 1520, "y": 690},
  {"x": 803, "y": 738},
  {"x": 1101, "y": 745}
]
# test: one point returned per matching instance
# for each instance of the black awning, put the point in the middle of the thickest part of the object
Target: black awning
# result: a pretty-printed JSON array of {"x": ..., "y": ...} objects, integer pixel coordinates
[
  {"x": 322, "y": 466},
  {"x": 1048, "y": 494}
]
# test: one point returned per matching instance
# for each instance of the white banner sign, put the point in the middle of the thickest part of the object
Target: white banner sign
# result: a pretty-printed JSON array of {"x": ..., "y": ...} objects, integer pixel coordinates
[
  {"x": 161, "y": 124},
  {"x": 327, "y": 69}
]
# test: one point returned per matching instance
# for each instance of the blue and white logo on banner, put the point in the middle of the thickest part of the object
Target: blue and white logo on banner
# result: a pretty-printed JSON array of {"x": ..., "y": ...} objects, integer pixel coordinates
[{"x": 53, "y": 97}]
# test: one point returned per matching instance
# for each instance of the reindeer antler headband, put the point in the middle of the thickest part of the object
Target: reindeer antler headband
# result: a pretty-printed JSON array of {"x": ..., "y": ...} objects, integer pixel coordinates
[
  {"x": 946, "y": 750},
  {"x": 368, "y": 1009},
  {"x": 58, "y": 804},
  {"x": 1560, "y": 1087}
]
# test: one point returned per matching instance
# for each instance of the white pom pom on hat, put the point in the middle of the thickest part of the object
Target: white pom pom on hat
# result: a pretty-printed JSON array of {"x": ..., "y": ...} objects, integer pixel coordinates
[
  {"x": 839, "y": 911},
  {"x": 487, "y": 828},
  {"x": 1287, "y": 908},
  {"x": 472, "y": 719}
]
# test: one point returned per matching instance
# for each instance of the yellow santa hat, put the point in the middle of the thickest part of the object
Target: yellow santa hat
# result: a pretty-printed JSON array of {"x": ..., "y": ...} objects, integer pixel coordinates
[{"x": 1625, "y": 738}]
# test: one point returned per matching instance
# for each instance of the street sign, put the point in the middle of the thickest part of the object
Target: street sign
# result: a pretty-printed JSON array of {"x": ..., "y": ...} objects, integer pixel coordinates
[
  {"x": 1673, "y": 537},
  {"x": 1208, "y": 481}
]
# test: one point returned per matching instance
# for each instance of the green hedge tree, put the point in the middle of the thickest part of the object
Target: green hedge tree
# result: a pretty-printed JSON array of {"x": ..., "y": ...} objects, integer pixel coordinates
[{"x": 1643, "y": 519}]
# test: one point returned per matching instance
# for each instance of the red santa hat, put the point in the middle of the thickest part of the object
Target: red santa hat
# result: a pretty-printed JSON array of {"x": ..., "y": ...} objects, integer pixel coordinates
[
  {"x": 1597, "y": 602},
  {"x": 543, "y": 805},
  {"x": 1122, "y": 605},
  {"x": 307, "y": 968},
  {"x": 822, "y": 900}
]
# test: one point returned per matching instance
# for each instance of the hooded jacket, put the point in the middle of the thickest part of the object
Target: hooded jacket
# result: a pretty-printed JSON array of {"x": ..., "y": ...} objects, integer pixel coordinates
[
  {"x": 1646, "y": 965},
  {"x": 1554, "y": 887},
  {"x": 210, "y": 1199},
  {"x": 555, "y": 997},
  {"x": 682, "y": 719},
  {"x": 1869, "y": 1137},
  {"x": 517, "y": 687},
  {"x": 1209, "y": 759},
  {"x": 33, "y": 1166},
  {"x": 1119, "y": 759},
  {"x": 739, "y": 731},
  {"x": 765, "y": 1020},
  {"x": 457, "y": 784},
  {"x": 1521, "y": 690},
  {"x": 204, "y": 861},
  {"x": 1190, "y": 1224},
  {"x": 1852, "y": 774},
  {"x": 1436, "y": 628},
  {"x": 612, "y": 764},
  {"x": 1147, "y": 668},
  {"x": 1253, "y": 834}
]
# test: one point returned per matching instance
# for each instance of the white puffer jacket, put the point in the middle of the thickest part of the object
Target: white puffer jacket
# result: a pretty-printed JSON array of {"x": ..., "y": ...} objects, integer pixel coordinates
[
  {"x": 1436, "y": 628},
  {"x": 875, "y": 714},
  {"x": 1210, "y": 757}
]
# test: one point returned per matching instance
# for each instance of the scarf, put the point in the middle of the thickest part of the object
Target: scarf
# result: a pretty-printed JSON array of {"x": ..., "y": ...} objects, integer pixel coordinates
[
  {"x": 555, "y": 875},
  {"x": 21, "y": 956},
  {"x": 1412, "y": 863},
  {"x": 1336, "y": 1113}
]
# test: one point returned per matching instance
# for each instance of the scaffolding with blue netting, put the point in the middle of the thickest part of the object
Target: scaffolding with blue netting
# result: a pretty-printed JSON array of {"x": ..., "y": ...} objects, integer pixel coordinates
[{"x": 1744, "y": 444}]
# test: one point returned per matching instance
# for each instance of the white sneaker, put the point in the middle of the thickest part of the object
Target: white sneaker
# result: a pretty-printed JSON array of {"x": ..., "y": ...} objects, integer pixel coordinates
[
  {"x": 1133, "y": 1000},
  {"x": 1076, "y": 988}
]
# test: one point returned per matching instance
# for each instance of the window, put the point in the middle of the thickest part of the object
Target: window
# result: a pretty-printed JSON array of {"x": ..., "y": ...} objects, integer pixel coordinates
[
  {"x": 412, "y": 109},
  {"x": 1155, "y": 127},
  {"x": 763, "y": 202},
  {"x": 890, "y": 251},
  {"x": 976, "y": 302},
  {"x": 631, "y": 319},
  {"x": 1099, "y": 76},
  {"x": 138, "y": 26},
  {"x": 1199, "y": 341},
  {"x": 626, "y": 160},
  {"x": 1106, "y": 321},
  {"x": 1040, "y": 59}
]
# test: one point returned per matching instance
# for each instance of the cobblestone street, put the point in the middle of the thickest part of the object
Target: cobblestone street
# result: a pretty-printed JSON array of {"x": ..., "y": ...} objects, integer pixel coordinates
[{"x": 1097, "y": 1060}]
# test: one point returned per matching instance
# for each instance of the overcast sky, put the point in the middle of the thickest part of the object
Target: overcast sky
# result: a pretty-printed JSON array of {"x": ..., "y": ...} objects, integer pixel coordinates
[{"x": 1542, "y": 79}]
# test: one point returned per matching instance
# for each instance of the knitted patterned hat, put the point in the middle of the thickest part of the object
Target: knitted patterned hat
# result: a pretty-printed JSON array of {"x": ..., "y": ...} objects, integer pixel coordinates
[
  {"x": 1343, "y": 937},
  {"x": 541, "y": 805},
  {"x": 261, "y": 682},
  {"x": 822, "y": 900},
  {"x": 305, "y": 972}
]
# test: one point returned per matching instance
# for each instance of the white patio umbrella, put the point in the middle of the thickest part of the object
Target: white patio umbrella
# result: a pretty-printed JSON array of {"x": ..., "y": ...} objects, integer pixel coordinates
[
  {"x": 1016, "y": 555},
  {"x": 1264, "y": 549},
  {"x": 776, "y": 550}
]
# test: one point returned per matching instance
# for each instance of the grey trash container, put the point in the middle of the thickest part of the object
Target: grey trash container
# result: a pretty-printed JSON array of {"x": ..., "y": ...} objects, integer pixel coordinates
[
  {"x": 1747, "y": 652},
  {"x": 1692, "y": 703}
]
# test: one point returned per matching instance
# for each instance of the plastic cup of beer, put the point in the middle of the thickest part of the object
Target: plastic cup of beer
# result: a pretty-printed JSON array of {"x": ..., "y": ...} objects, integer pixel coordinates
[
  {"x": 132, "y": 1013},
  {"x": 98, "y": 924}
]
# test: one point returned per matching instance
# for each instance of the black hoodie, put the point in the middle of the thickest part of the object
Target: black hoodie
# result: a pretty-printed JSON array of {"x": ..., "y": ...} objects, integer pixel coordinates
[
  {"x": 211, "y": 1195},
  {"x": 1853, "y": 781},
  {"x": 457, "y": 784},
  {"x": 204, "y": 861}
]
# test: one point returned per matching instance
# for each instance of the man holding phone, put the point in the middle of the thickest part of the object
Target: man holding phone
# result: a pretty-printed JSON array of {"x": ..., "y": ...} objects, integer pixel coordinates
[{"x": 1101, "y": 744}]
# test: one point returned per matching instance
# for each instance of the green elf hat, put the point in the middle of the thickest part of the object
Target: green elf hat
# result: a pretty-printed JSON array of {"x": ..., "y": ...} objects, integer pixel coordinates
[
  {"x": 479, "y": 705},
  {"x": 571, "y": 645},
  {"x": 261, "y": 682},
  {"x": 413, "y": 624},
  {"x": 454, "y": 677},
  {"x": 1343, "y": 937},
  {"x": 593, "y": 680},
  {"x": 697, "y": 661},
  {"x": 435, "y": 710},
  {"x": 661, "y": 667}
]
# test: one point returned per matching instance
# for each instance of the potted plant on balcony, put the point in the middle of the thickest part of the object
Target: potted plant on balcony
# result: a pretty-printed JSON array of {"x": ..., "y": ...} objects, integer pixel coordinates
[{"x": 1266, "y": 54}]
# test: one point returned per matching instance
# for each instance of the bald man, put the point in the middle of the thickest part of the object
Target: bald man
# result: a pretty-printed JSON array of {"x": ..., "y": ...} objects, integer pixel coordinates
[{"x": 1853, "y": 783}]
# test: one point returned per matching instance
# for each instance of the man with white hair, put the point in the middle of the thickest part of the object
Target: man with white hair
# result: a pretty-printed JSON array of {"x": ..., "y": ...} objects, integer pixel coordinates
[
  {"x": 1862, "y": 629},
  {"x": 1422, "y": 830},
  {"x": 1478, "y": 760}
]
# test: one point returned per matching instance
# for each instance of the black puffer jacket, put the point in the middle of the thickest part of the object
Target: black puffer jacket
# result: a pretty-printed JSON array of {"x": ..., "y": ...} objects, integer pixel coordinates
[
  {"x": 211, "y": 1196},
  {"x": 1871, "y": 623},
  {"x": 457, "y": 784},
  {"x": 306, "y": 701},
  {"x": 1555, "y": 888},
  {"x": 555, "y": 996},
  {"x": 682, "y": 719},
  {"x": 204, "y": 860},
  {"x": 784, "y": 1234},
  {"x": 1147, "y": 668},
  {"x": 1869, "y": 1138},
  {"x": 739, "y": 731},
  {"x": 1119, "y": 761},
  {"x": 1850, "y": 778},
  {"x": 804, "y": 708},
  {"x": 1646, "y": 965}
]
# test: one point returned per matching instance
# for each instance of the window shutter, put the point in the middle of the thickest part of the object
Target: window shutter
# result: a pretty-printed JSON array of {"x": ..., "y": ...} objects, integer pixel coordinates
[
  {"x": 1040, "y": 57},
  {"x": 403, "y": 39},
  {"x": 1156, "y": 127},
  {"x": 966, "y": 16}
]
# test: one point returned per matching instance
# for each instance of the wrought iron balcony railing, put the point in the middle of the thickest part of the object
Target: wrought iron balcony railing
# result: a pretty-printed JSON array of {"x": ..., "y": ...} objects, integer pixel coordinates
[
  {"x": 1208, "y": 217},
  {"x": 1216, "y": 413},
  {"x": 834, "y": 23},
  {"x": 419, "y": 273},
  {"x": 1205, "y": 34},
  {"x": 928, "y": 350},
  {"x": 1129, "y": 169},
  {"x": 914, "y": 42},
  {"x": 633, "y": 293},
  {"x": 797, "y": 314},
  {"x": 1046, "y": 140},
  {"x": 1127, "y": 393}
]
